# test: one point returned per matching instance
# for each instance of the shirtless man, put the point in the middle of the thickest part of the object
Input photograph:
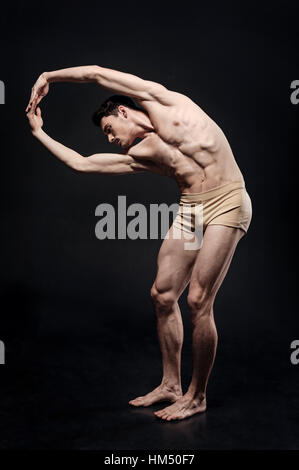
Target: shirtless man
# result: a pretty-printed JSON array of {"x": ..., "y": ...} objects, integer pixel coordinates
[{"x": 180, "y": 140}]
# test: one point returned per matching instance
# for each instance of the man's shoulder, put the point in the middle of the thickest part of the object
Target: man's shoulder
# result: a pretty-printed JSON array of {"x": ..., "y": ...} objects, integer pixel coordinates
[{"x": 141, "y": 148}]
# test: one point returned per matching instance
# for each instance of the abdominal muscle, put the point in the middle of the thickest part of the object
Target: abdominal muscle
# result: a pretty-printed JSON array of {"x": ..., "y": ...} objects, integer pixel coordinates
[{"x": 191, "y": 177}]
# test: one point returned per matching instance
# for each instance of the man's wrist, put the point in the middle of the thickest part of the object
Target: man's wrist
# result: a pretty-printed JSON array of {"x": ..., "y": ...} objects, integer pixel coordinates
[
  {"x": 37, "y": 133},
  {"x": 47, "y": 76}
]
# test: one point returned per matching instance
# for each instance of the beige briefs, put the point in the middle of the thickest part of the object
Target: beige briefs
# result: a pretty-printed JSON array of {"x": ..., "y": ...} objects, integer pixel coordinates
[{"x": 228, "y": 204}]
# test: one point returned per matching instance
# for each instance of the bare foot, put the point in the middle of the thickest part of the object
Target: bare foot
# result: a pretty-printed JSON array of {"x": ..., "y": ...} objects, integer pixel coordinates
[
  {"x": 161, "y": 393},
  {"x": 183, "y": 408}
]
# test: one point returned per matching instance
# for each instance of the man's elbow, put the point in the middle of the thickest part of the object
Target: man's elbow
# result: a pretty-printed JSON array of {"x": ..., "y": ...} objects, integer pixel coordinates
[
  {"x": 81, "y": 165},
  {"x": 92, "y": 73},
  {"x": 96, "y": 73}
]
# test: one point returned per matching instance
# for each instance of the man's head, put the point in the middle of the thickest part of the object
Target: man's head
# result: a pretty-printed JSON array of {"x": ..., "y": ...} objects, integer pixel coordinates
[{"x": 115, "y": 118}]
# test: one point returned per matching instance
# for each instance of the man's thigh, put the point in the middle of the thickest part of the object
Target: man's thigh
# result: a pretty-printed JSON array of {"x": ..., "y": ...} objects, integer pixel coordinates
[
  {"x": 174, "y": 264},
  {"x": 214, "y": 257}
]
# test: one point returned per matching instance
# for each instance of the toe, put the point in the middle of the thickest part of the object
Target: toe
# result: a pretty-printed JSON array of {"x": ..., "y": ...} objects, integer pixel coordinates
[
  {"x": 173, "y": 417},
  {"x": 136, "y": 401},
  {"x": 164, "y": 410}
]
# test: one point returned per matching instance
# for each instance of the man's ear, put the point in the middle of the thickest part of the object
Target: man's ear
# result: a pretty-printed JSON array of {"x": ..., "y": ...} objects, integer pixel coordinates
[{"x": 123, "y": 111}]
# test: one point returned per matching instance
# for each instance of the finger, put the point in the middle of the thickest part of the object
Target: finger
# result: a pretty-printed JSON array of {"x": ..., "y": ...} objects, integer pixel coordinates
[
  {"x": 30, "y": 110},
  {"x": 30, "y": 100},
  {"x": 33, "y": 106},
  {"x": 29, "y": 106},
  {"x": 32, "y": 97},
  {"x": 29, "y": 115}
]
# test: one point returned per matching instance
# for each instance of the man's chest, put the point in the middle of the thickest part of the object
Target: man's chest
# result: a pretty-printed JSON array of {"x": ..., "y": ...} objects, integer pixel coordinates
[{"x": 178, "y": 130}]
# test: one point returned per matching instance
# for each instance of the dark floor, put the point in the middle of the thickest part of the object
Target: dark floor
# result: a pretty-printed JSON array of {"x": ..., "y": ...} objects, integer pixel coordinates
[{"x": 71, "y": 393}]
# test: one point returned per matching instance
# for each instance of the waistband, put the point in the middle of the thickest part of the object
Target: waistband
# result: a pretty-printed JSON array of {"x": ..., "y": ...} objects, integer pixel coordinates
[{"x": 211, "y": 193}]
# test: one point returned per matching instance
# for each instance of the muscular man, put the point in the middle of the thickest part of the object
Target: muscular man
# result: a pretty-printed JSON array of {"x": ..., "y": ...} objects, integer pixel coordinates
[{"x": 180, "y": 140}]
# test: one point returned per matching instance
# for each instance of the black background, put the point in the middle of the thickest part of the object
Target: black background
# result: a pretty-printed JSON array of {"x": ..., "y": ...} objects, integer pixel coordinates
[{"x": 77, "y": 319}]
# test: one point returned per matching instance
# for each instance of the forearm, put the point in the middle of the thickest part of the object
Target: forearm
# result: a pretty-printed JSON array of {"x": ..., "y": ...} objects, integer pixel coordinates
[
  {"x": 82, "y": 74},
  {"x": 66, "y": 155},
  {"x": 105, "y": 163}
]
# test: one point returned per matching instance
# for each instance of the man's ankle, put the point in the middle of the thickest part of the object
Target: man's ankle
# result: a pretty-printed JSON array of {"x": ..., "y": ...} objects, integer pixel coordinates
[
  {"x": 195, "y": 394},
  {"x": 171, "y": 386}
]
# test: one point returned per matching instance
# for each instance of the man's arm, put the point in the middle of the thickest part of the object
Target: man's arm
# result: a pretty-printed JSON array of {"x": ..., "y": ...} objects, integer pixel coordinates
[
  {"x": 105, "y": 163},
  {"x": 120, "y": 82},
  {"x": 114, "y": 80}
]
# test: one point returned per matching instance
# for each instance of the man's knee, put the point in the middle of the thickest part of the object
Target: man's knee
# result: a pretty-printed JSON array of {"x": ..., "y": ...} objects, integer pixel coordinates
[
  {"x": 200, "y": 301},
  {"x": 163, "y": 300}
]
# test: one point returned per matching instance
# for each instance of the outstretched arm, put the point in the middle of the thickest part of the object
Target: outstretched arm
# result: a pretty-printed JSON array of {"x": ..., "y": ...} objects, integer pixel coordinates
[
  {"x": 105, "y": 163},
  {"x": 118, "y": 82}
]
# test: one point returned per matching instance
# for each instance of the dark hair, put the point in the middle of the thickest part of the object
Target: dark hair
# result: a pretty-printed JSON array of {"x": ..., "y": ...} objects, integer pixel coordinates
[{"x": 110, "y": 106}]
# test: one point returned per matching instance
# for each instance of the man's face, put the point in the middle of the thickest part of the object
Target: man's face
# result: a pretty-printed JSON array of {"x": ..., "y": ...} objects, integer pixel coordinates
[{"x": 119, "y": 129}]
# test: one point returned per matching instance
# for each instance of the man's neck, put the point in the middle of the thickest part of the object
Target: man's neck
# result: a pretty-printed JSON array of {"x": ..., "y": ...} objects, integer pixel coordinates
[{"x": 143, "y": 124}]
